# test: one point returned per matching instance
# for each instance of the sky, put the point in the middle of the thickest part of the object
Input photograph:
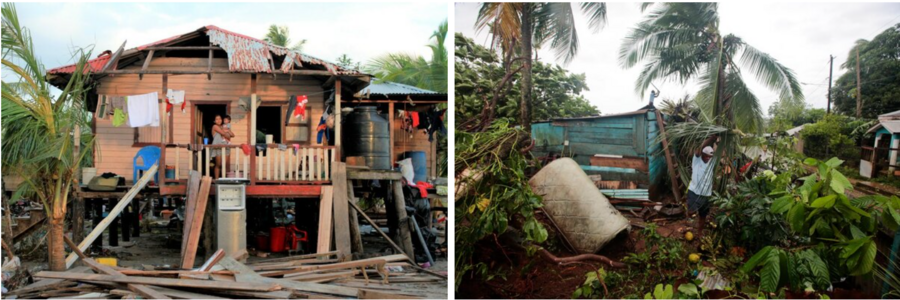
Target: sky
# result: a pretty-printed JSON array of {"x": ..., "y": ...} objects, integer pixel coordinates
[
  {"x": 361, "y": 30},
  {"x": 799, "y": 35}
]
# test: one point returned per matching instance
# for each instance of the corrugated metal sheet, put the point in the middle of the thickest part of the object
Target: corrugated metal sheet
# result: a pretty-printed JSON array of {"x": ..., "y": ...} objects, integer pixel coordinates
[
  {"x": 95, "y": 65},
  {"x": 245, "y": 53},
  {"x": 891, "y": 126},
  {"x": 393, "y": 88}
]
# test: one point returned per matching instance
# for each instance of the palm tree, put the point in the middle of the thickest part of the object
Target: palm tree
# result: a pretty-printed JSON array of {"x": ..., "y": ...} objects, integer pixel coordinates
[
  {"x": 682, "y": 41},
  {"x": 345, "y": 61},
  {"x": 280, "y": 36},
  {"x": 38, "y": 129},
  {"x": 415, "y": 70},
  {"x": 521, "y": 27}
]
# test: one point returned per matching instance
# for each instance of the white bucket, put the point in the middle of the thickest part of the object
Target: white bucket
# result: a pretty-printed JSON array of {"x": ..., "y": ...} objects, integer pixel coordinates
[
  {"x": 87, "y": 174},
  {"x": 583, "y": 214},
  {"x": 270, "y": 138}
]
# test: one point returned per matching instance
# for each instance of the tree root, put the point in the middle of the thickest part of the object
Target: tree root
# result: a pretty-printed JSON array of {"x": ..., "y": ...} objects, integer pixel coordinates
[{"x": 581, "y": 257}]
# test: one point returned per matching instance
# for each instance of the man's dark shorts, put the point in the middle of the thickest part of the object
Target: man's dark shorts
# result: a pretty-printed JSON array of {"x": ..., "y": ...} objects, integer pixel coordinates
[{"x": 697, "y": 203}]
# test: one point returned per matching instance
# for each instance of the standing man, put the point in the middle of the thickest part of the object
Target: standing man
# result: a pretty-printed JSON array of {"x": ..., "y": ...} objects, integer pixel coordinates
[{"x": 701, "y": 182}]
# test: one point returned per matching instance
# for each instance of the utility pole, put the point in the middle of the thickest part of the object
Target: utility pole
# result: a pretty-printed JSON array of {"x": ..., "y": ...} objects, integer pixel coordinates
[
  {"x": 858, "y": 91},
  {"x": 830, "y": 70}
]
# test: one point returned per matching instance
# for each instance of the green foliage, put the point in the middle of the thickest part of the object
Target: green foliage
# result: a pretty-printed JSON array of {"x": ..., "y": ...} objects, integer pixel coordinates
[
  {"x": 557, "y": 93},
  {"x": 839, "y": 234},
  {"x": 662, "y": 252},
  {"x": 593, "y": 282},
  {"x": 415, "y": 70},
  {"x": 786, "y": 114},
  {"x": 834, "y": 134},
  {"x": 280, "y": 36},
  {"x": 660, "y": 292},
  {"x": 879, "y": 61},
  {"x": 498, "y": 194},
  {"x": 745, "y": 217}
]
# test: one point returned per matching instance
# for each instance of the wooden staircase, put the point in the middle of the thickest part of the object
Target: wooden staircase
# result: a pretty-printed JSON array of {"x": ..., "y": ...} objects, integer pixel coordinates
[{"x": 22, "y": 225}]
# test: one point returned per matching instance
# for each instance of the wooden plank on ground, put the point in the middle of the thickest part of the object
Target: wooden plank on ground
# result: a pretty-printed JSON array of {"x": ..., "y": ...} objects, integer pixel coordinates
[
  {"x": 627, "y": 162},
  {"x": 245, "y": 274},
  {"x": 183, "y": 283},
  {"x": 325, "y": 210},
  {"x": 372, "y": 294},
  {"x": 141, "y": 289},
  {"x": 341, "y": 215},
  {"x": 113, "y": 213},
  {"x": 47, "y": 284},
  {"x": 190, "y": 250},
  {"x": 179, "y": 294},
  {"x": 377, "y": 262},
  {"x": 213, "y": 260}
]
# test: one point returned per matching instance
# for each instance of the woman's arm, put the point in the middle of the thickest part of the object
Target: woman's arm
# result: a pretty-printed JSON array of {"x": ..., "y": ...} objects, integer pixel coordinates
[{"x": 218, "y": 129}]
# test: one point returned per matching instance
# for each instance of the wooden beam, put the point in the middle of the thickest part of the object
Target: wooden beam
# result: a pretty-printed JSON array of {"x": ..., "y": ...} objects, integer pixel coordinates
[
  {"x": 337, "y": 118},
  {"x": 114, "y": 59},
  {"x": 209, "y": 65},
  {"x": 101, "y": 268},
  {"x": 218, "y": 71},
  {"x": 402, "y": 219},
  {"x": 341, "y": 214},
  {"x": 271, "y": 191},
  {"x": 182, "y": 283},
  {"x": 374, "y": 175},
  {"x": 391, "y": 128},
  {"x": 325, "y": 210},
  {"x": 190, "y": 250},
  {"x": 378, "y": 230},
  {"x": 113, "y": 214},
  {"x": 169, "y": 48},
  {"x": 373, "y": 294},
  {"x": 213, "y": 260},
  {"x": 146, "y": 64},
  {"x": 330, "y": 82},
  {"x": 183, "y": 294},
  {"x": 356, "y": 245},
  {"x": 245, "y": 274}
]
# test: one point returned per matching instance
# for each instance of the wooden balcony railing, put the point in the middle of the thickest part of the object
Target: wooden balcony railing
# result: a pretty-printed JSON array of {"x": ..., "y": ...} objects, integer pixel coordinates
[{"x": 306, "y": 164}]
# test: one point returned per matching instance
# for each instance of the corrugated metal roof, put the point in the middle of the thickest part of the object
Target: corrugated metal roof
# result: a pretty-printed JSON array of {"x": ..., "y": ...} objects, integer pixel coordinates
[
  {"x": 625, "y": 114},
  {"x": 394, "y": 88},
  {"x": 890, "y": 116},
  {"x": 892, "y": 126},
  {"x": 245, "y": 53},
  {"x": 95, "y": 65}
]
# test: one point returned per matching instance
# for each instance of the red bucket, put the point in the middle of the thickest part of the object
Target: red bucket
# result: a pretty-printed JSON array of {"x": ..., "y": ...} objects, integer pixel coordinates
[
  {"x": 276, "y": 242},
  {"x": 262, "y": 242}
]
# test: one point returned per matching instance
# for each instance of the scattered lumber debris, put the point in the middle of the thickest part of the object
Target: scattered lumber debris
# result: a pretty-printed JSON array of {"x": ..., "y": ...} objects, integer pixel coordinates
[{"x": 319, "y": 275}]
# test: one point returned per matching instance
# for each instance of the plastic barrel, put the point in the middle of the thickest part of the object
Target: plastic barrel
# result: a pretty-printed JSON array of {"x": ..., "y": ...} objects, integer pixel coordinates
[
  {"x": 420, "y": 164},
  {"x": 580, "y": 210},
  {"x": 276, "y": 242}
]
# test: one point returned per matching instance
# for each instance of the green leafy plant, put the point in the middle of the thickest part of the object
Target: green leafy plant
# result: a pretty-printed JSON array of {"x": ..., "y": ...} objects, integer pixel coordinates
[
  {"x": 662, "y": 252},
  {"x": 496, "y": 192},
  {"x": 839, "y": 234},
  {"x": 593, "y": 281},
  {"x": 660, "y": 292}
]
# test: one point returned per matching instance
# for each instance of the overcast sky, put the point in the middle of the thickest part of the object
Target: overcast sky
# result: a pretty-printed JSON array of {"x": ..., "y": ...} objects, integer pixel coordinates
[
  {"x": 360, "y": 30},
  {"x": 799, "y": 35}
]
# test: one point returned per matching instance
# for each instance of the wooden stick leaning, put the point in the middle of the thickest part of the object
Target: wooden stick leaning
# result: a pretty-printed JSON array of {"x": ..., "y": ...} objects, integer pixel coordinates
[{"x": 89, "y": 239}]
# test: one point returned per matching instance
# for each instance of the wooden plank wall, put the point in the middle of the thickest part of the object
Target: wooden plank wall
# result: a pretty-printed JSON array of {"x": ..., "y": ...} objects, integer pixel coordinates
[
  {"x": 415, "y": 141},
  {"x": 116, "y": 151}
]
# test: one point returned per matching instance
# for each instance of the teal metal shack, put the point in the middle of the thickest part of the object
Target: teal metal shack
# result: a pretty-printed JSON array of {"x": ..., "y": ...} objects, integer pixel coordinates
[{"x": 621, "y": 148}]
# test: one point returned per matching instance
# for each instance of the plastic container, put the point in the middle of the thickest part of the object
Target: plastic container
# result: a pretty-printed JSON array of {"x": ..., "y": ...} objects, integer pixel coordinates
[
  {"x": 262, "y": 242},
  {"x": 420, "y": 164},
  {"x": 579, "y": 209},
  {"x": 276, "y": 241},
  {"x": 109, "y": 261},
  {"x": 87, "y": 174},
  {"x": 170, "y": 172}
]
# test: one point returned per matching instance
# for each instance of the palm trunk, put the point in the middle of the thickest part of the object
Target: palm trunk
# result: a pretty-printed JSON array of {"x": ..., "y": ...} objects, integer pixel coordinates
[
  {"x": 55, "y": 244},
  {"x": 527, "y": 47}
]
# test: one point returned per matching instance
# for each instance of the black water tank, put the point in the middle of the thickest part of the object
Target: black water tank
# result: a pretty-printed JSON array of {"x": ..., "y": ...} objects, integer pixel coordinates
[{"x": 367, "y": 134}]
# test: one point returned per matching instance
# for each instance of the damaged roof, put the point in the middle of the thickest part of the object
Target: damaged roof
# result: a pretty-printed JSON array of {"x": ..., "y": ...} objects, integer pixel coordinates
[
  {"x": 390, "y": 89},
  {"x": 245, "y": 55}
]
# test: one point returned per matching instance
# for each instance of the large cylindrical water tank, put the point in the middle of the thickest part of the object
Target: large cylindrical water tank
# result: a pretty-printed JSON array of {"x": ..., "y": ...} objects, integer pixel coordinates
[
  {"x": 366, "y": 134},
  {"x": 583, "y": 214}
]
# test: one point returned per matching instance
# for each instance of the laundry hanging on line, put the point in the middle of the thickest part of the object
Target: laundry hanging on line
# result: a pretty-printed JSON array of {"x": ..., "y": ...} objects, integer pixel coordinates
[
  {"x": 174, "y": 97},
  {"x": 296, "y": 108},
  {"x": 143, "y": 110}
]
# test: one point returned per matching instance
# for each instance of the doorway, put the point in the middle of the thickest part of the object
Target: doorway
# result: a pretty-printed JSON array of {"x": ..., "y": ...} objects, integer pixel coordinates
[
  {"x": 268, "y": 121},
  {"x": 201, "y": 126}
]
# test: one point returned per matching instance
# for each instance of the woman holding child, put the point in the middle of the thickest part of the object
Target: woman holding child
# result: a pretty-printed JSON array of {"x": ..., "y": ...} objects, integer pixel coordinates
[{"x": 222, "y": 135}]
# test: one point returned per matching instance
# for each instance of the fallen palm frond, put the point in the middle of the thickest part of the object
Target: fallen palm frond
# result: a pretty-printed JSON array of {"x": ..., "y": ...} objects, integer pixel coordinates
[
  {"x": 686, "y": 138},
  {"x": 491, "y": 165}
]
